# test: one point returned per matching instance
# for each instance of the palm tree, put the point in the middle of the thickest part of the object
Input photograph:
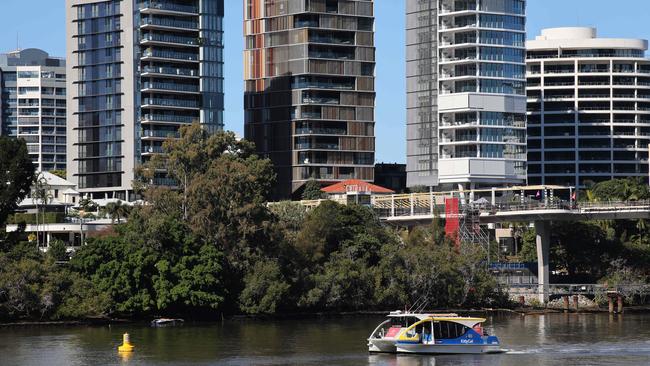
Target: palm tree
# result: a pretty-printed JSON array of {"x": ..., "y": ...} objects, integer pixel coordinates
[
  {"x": 41, "y": 192},
  {"x": 116, "y": 211}
]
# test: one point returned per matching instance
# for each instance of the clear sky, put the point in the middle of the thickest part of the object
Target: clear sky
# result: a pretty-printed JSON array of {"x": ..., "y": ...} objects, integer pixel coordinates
[{"x": 41, "y": 24}]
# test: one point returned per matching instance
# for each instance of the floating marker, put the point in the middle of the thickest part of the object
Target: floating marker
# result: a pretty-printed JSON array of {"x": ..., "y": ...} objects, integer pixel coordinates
[{"x": 126, "y": 344}]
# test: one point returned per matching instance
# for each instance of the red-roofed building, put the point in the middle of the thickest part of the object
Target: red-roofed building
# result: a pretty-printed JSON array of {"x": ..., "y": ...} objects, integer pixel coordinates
[{"x": 355, "y": 191}]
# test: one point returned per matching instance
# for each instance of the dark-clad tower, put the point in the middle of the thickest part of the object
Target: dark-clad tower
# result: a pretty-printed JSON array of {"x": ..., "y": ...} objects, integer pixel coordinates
[{"x": 309, "y": 67}]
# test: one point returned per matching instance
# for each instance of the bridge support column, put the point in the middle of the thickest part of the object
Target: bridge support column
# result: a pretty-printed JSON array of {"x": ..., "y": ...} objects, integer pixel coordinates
[
  {"x": 565, "y": 299},
  {"x": 543, "y": 229},
  {"x": 610, "y": 302},
  {"x": 576, "y": 302},
  {"x": 620, "y": 304}
]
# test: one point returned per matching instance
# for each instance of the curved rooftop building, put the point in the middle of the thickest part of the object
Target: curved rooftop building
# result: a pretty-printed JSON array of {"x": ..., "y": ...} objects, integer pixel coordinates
[{"x": 588, "y": 107}]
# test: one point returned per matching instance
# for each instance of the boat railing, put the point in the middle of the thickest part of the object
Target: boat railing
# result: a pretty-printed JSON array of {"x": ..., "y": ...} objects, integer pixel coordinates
[{"x": 380, "y": 326}]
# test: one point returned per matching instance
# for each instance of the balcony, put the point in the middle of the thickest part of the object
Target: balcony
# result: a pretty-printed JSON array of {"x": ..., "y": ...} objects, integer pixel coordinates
[
  {"x": 169, "y": 103},
  {"x": 317, "y": 146},
  {"x": 169, "y": 55},
  {"x": 458, "y": 124},
  {"x": 321, "y": 131},
  {"x": 153, "y": 150},
  {"x": 170, "y": 71},
  {"x": 320, "y": 100},
  {"x": 331, "y": 39},
  {"x": 157, "y": 38},
  {"x": 159, "y": 134},
  {"x": 167, "y": 7},
  {"x": 170, "y": 87},
  {"x": 169, "y": 23},
  {"x": 332, "y": 55},
  {"x": 322, "y": 85},
  {"x": 167, "y": 118}
]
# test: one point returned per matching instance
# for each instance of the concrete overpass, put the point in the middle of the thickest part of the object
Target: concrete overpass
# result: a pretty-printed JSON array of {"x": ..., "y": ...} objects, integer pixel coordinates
[{"x": 420, "y": 209}]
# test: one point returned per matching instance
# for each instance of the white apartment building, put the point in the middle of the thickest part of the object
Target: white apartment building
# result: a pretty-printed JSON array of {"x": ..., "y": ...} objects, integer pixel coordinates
[
  {"x": 466, "y": 104},
  {"x": 33, "y": 105},
  {"x": 588, "y": 107}
]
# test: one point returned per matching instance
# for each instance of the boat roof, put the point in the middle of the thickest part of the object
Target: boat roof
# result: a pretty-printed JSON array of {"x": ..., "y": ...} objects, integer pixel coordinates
[{"x": 434, "y": 316}]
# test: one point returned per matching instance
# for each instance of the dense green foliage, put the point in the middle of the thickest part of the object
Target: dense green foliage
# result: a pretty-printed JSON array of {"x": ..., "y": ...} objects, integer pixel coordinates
[
  {"x": 16, "y": 174},
  {"x": 212, "y": 245},
  {"x": 312, "y": 191}
]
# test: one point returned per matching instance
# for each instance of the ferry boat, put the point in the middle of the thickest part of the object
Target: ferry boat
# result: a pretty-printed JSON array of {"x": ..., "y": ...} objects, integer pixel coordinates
[{"x": 405, "y": 332}]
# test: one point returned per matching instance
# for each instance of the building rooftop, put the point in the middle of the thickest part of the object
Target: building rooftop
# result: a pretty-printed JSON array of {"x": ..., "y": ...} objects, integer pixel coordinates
[
  {"x": 355, "y": 185},
  {"x": 57, "y": 181},
  {"x": 581, "y": 38},
  {"x": 30, "y": 57}
]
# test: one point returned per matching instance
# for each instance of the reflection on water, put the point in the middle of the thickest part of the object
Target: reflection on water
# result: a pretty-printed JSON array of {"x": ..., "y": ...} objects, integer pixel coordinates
[{"x": 559, "y": 339}]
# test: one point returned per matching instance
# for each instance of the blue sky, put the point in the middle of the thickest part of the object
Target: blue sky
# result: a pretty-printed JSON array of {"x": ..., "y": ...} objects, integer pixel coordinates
[{"x": 41, "y": 24}]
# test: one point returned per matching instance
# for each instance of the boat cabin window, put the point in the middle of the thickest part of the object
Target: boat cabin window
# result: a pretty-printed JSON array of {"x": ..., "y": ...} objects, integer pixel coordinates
[
  {"x": 448, "y": 330},
  {"x": 402, "y": 322}
]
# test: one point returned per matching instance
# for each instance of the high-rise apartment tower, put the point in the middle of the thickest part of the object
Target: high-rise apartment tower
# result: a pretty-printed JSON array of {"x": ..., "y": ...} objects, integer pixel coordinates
[
  {"x": 138, "y": 71},
  {"x": 309, "y": 67},
  {"x": 33, "y": 105},
  {"x": 588, "y": 108},
  {"x": 466, "y": 104}
]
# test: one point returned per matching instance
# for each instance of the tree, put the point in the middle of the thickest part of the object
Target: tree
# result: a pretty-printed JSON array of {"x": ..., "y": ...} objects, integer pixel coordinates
[
  {"x": 312, "y": 191},
  {"x": 154, "y": 264},
  {"x": 192, "y": 155},
  {"x": 41, "y": 193},
  {"x": 528, "y": 253},
  {"x": 58, "y": 250},
  {"x": 330, "y": 224},
  {"x": 265, "y": 288},
  {"x": 16, "y": 174},
  {"x": 116, "y": 211},
  {"x": 628, "y": 189}
]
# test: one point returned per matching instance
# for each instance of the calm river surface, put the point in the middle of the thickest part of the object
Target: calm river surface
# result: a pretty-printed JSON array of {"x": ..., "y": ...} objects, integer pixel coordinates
[{"x": 558, "y": 339}]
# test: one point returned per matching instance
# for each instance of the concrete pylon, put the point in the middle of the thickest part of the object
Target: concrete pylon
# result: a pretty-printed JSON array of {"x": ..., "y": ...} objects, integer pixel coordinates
[{"x": 543, "y": 239}]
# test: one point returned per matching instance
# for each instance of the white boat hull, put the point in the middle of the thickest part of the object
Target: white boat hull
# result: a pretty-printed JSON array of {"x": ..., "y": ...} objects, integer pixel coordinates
[
  {"x": 382, "y": 345},
  {"x": 448, "y": 348}
]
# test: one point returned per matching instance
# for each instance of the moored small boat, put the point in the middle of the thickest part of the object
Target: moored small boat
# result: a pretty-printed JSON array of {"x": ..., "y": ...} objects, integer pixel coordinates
[
  {"x": 166, "y": 322},
  {"x": 405, "y": 332}
]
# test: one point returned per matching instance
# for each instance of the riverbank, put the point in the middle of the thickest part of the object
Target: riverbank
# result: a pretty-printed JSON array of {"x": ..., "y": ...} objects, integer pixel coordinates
[{"x": 640, "y": 309}]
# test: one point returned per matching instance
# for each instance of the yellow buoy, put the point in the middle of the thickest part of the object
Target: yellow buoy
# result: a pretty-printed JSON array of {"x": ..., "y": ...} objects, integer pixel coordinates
[{"x": 126, "y": 344}]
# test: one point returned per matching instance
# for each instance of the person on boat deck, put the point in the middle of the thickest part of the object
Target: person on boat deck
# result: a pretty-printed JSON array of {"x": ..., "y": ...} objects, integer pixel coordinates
[{"x": 426, "y": 335}]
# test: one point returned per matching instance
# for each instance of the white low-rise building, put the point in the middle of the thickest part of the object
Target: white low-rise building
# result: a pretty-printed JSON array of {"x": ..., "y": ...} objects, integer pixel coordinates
[{"x": 54, "y": 217}]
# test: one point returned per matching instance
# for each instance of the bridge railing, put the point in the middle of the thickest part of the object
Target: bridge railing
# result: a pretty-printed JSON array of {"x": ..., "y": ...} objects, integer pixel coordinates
[
  {"x": 432, "y": 204},
  {"x": 579, "y": 289},
  {"x": 614, "y": 205}
]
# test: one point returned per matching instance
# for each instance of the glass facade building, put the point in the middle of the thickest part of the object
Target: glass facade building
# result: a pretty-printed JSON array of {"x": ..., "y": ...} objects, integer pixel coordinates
[
  {"x": 309, "y": 67},
  {"x": 466, "y": 105},
  {"x": 588, "y": 108},
  {"x": 33, "y": 105},
  {"x": 140, "y": 70}
]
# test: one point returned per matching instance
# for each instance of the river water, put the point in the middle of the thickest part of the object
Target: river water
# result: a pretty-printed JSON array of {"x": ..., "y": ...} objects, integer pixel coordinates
[{"x": 556, "y": 339}]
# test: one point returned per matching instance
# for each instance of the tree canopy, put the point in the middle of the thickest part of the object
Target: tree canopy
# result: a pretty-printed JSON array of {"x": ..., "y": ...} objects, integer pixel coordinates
[{"x": 16, "y": 174}]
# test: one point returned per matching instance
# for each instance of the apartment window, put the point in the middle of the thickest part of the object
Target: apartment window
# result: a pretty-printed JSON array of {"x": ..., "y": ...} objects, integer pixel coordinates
[
  {"x": 28, "y": 74},
  {"x": 502, "y": 38}
]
